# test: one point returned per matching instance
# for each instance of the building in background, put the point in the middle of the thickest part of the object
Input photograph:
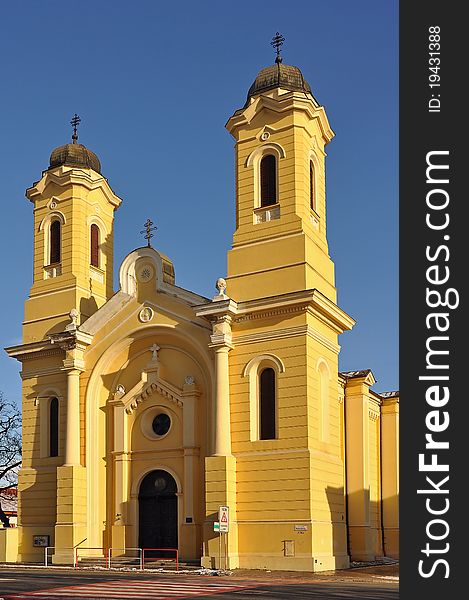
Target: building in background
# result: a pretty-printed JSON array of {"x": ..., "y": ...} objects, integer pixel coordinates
[
  {"x": 148, "y": 409},
  {"x": 9, "y": 500}
]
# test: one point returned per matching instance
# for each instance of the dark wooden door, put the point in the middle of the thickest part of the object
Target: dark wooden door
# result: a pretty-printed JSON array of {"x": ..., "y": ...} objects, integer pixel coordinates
[{"x": 157, "y": 502}]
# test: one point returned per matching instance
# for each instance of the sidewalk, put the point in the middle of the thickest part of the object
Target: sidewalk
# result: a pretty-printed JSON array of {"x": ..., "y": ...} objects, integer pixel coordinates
[{"x": 384, "y": 571}]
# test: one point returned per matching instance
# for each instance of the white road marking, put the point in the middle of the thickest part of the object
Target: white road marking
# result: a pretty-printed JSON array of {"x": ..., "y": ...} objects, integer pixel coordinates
[{"x": 138, "y": 589}]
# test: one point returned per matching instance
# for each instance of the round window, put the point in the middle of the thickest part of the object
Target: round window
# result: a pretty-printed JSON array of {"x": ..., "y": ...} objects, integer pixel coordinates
[{"x": 161, "y": 424}]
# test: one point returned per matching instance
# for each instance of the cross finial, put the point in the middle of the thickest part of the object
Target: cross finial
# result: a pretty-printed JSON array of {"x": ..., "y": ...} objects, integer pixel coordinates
[
  {"x": 148, "y": 231},
  {"x": 277, "y": 43},
  {"x": 74, "y": 123}
]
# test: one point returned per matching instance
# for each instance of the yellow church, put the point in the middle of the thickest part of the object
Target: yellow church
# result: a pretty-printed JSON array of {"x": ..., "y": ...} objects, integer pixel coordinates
[{"x": 148, "y": 408}]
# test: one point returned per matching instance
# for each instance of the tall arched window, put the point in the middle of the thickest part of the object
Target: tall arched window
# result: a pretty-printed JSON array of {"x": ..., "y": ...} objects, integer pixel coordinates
[
  {"x": 267, "y": 425},
  {"x": 54, "y": 242},
  {"x": 54, "y": 427},
  {"x": 312, "y": 191},
  {"x": 94, "y": 251},
  {"x": 268, "y": 176}
]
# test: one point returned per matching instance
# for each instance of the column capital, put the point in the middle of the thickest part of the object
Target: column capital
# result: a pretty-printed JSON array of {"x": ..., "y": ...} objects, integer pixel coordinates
[
  {"x": 221, "y": 336},
  {"x": 73, "y": 364},
  {"x": 222, "y": 343},
  {"x": 74, "y": 343}
]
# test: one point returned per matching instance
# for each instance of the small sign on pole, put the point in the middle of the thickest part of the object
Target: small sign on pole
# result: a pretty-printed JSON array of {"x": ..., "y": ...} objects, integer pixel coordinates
[
  {"x": 224, "y": 518},
  {"x": 216, "y": 526},
  {"x": 41, "y": 541}
]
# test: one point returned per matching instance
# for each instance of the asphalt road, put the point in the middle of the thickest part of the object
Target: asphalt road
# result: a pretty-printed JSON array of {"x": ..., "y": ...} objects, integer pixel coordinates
[{"x": 22, "y": 583}]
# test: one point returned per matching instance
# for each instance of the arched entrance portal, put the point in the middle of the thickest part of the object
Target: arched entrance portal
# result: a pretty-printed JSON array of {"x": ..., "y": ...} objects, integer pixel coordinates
[{"x": 158, "y": 515}]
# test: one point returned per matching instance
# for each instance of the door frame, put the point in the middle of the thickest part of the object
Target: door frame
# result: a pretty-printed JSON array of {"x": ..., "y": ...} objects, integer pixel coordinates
[{"x": 134, "y": 503}]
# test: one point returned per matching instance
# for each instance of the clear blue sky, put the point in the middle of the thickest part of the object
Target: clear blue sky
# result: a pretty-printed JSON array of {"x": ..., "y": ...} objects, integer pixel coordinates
[{"x": 154, "y": 83}]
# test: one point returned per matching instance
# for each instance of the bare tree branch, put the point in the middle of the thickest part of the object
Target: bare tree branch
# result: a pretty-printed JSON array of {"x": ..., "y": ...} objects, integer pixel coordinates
[{"x": 10, "y": 452}]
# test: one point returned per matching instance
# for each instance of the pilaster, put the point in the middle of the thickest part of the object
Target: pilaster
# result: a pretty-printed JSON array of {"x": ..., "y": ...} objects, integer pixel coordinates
[
  {"x": 220, "y": 490},
  {"x": 189, "y": 546},
  {"x": 390, "y": 473},
  {"x": 358, "y": 466},
  {"x": 70, "y": 528}
]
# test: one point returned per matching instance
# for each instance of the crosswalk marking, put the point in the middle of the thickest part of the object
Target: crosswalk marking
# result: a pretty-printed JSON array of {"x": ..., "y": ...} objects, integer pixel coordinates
[{"x": 150, "y": 589}]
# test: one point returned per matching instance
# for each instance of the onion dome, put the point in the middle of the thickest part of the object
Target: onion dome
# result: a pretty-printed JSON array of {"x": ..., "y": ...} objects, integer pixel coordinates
[
  {"x": 74, "y": 154},
  {"x": 279, "y": 75}
]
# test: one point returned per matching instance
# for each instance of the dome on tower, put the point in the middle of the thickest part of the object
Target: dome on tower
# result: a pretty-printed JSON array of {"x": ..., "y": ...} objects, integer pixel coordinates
[
  {"x": 74, "y": 155},
  {"x": 279, "y": 75}
]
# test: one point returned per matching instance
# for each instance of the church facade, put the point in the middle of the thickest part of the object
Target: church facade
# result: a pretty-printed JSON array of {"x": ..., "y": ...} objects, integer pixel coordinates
[{"x": 147, "y": 409}]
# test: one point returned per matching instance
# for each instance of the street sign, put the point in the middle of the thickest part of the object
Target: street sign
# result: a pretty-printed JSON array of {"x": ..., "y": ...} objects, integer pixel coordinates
[
  {"x": 224, "y": 518},
  {"x": 216, "y": 526}
]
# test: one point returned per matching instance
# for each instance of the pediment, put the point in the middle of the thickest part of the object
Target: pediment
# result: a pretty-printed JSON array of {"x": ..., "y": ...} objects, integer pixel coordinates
[{"x": 146, "y": 387}]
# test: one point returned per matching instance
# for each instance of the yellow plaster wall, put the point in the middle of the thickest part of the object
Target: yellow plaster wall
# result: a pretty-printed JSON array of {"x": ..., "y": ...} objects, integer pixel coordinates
[
  {"x": 120, "y": 354},
  {"x": 271, "y": 486},
  {"x": 390, "y": 474},
  {"x": 81, "y": 196},
  {"x": 257, "y": 246}
]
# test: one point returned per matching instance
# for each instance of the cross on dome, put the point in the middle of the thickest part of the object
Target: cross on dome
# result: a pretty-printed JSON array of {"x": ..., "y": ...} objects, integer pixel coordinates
[
  {"x": 74, "y": 123},
  {"x": 277, "y": 43},
  {"x": 148, "y": 231}
]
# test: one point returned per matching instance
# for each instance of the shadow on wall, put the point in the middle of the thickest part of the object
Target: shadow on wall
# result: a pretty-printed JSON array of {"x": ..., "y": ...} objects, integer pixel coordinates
[{"x": 372, "y": 526}]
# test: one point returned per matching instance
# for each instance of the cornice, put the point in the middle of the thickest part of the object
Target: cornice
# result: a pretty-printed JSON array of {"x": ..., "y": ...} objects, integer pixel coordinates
[
  {"x": 272, "y": 306},
  {"x": 282, "y": 103},
  {"x": 66, "y": 176},
  {"x": 33, "y": 350},
  {"x": 69, "y": 340},
  {"x": 216, "y": 309}
]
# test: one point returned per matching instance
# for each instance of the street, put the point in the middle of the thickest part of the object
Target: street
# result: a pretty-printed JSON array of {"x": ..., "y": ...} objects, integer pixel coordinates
[{"x": 28, "y": 583}]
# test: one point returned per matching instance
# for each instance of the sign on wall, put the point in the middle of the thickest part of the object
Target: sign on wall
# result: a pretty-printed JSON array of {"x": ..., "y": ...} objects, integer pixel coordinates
[{"x": 41, "y": 541}]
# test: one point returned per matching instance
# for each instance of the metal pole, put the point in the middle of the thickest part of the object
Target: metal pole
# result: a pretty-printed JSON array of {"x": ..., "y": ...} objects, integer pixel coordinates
[
  {"x": 219, "y": 549},
  {"x": 45, "y": 555},
  {"x": 141, "y": 559},
  {"x": 226, "y": 550}
]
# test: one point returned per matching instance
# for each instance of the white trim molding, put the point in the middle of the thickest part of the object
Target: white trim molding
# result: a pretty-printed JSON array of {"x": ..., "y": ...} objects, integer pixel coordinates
[{"x": 252, "y": 371}]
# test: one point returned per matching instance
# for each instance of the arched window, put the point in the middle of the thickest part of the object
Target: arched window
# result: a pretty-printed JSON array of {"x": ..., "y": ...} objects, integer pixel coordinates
[
  {"x": 312, "y": 191},
  {"x": 54, "y": 427},
  {"x": 94, "y": 251},
  {"x": 268, "y": 173},
  {"x": 54, "y": 242},
  {"x": 267, "y": 425}
]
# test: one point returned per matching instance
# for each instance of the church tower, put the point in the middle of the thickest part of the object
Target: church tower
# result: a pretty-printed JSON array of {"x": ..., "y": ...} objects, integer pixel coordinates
[
  {"x": 278, "y": 433},
  {"x": 73, "y": 240},
  {"x": 280, "y": 240}
]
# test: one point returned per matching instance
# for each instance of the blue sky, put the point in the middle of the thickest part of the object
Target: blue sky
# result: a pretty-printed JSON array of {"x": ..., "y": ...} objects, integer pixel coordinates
[{"x": 154, "y": 84}]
